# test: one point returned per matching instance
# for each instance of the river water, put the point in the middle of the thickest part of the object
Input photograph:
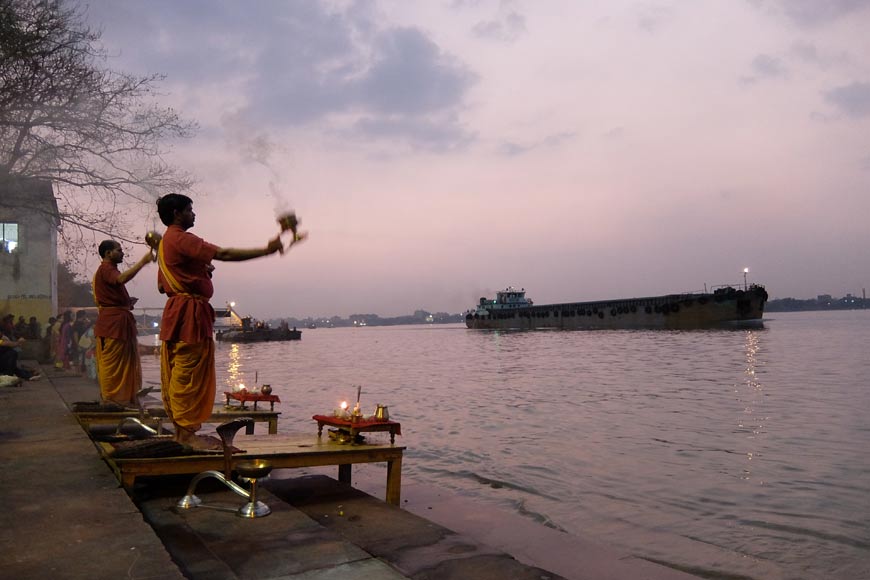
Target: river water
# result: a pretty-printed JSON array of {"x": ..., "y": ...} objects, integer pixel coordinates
[{"x": 731, "y": 454}]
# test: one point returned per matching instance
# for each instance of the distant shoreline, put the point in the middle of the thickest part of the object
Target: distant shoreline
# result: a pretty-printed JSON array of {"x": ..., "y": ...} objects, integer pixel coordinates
[
  {"x": 823, "y": 303},
  {"x": 849, "y": 302}
]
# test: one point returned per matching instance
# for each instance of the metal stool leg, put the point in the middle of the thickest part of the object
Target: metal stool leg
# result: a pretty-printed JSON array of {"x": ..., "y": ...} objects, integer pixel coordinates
[
  {"x": 249, "y": 471},
  {"x": 253, "y": 471}
]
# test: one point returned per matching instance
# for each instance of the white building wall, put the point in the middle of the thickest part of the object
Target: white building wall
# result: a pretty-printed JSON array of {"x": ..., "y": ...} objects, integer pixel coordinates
[{"x": 28, "y": 275}]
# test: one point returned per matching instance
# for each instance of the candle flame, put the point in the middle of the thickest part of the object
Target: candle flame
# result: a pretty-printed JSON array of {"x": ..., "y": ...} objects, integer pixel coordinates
[{"x": 343, "y": 405}]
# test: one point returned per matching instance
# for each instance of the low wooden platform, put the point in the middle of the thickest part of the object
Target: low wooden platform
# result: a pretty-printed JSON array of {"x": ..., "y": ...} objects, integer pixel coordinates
[
  {"x": 282, "y": 451},
  {"x": 157, "y": 415},
  {"x": 355, "y": 428}
]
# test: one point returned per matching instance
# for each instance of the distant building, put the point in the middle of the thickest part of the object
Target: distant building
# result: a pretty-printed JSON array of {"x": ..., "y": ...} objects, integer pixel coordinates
[{"x": 28, "y": 248}]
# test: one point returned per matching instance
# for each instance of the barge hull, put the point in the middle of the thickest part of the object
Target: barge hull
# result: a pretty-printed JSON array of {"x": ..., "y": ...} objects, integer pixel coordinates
[
  {"x": 731, "y": 308},
  {"x": 267, "y": 335}
]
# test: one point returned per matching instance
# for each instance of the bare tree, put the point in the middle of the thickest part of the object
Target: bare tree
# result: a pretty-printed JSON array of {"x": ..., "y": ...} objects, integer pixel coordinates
[{"x": 96, "y": 134}]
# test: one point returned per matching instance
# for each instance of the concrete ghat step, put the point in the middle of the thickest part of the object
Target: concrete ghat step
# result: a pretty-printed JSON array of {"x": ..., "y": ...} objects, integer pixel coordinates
[
  {"x": 531, "y": 543},
  {"x": 415, "y": 546},
  {"x": 212, "y": 542}
]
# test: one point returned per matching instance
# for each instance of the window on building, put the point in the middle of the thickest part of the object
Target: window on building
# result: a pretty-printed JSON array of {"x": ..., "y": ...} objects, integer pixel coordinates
[{"x": 8, "y": 237}]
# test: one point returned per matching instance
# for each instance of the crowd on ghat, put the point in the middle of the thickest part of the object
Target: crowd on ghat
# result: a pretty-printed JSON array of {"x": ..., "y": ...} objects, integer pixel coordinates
[{"x": 69, "y": 340}]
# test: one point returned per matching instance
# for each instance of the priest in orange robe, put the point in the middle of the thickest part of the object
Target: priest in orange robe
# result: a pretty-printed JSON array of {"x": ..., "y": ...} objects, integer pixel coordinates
[
  {"x": 187, "y": 368},
  {"x": 117, "y": 350}
]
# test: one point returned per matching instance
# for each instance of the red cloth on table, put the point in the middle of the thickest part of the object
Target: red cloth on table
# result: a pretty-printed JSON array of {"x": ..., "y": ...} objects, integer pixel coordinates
[
  {"x": 333, "y": 421},
  {"x": 245, "y": 397}
]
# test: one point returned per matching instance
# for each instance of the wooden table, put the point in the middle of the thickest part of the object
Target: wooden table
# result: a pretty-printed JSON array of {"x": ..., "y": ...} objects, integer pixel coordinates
[
  {"x": 282, "y": 451},
  {"x": 251, "y": 397},
  {"x": 355, "y": 428},
  {"x": 158, "y": 415}
]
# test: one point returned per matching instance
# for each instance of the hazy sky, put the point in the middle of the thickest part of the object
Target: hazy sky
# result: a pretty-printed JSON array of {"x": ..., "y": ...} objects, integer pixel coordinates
[{"x": 440, "y": 150}]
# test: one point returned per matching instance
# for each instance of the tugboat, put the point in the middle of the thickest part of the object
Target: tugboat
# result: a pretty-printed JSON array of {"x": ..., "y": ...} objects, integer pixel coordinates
[
  {"x": 231, "y": 327},
  {"x": 724, "y": 307}
]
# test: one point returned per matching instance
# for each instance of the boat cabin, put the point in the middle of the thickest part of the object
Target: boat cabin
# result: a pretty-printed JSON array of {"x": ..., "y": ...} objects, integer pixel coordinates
[
  {"x": 227, "y": 318},
  {"x": 509, "y": 298}
]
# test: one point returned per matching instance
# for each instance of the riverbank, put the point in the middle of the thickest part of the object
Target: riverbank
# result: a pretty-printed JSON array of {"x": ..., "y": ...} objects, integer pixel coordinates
[{"x": 68, "y": 518}]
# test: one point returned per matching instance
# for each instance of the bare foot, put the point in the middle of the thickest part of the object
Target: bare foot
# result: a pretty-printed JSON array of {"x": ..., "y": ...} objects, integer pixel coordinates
[
  {"x": 198, "y": 442},
  {"x": 205, "y": 443},
  {"x": 191, "y": 439},
  {"x": 129, "y": 405},
  {"x": 111, "y": 405},
  {"x": 201, "y": 442}
]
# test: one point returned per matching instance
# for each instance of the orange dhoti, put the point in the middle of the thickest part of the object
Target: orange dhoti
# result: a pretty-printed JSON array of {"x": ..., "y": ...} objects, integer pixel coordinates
[
  {"x": 120, "y": 372},
  {"x": 188, "y": 380}
]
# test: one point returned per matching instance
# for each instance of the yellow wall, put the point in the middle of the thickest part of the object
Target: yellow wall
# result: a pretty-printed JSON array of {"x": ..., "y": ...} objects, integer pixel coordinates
[{"x": 40, "y": 307}]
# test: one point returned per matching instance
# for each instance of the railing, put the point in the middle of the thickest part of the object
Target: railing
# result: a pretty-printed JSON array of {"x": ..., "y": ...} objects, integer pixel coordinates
[{"x": 148, "y": 319}]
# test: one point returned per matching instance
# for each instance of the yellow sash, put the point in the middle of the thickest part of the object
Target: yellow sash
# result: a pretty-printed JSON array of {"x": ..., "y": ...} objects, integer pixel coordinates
[
  {"x": 174, "y": 285},
  {"x": 94, "y": 289}
]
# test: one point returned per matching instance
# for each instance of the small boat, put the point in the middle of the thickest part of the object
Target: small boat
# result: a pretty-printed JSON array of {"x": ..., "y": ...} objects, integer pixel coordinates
[
  {"x": 258, "y": 333},
  {"x": 229, "y": 326},
  {"x": 726, "y": 307}
]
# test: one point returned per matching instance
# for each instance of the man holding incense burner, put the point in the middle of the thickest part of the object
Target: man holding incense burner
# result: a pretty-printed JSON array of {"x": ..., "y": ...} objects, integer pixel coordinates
[
  {"x": 187, "y": 367},
  {"x": 117, "y": 349}
]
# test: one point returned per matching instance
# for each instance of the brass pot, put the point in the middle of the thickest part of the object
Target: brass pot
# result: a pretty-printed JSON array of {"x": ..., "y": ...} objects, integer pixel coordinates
[
  {"x": 382, "y": 413},
  {"x": 153, "y": 240}
]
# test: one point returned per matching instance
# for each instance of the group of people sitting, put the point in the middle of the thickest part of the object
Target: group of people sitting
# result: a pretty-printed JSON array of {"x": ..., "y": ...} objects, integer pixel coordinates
[
  {"x": 22, "y": 329},
  {"x": 12, "y": 337},
  {"x": 68, "y": 341}
]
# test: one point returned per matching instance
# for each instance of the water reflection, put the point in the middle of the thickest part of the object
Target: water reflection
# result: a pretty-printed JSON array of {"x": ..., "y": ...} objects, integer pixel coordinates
[
  {"x": 234, "y": 367},
  {"x": 750, "y": 394}
]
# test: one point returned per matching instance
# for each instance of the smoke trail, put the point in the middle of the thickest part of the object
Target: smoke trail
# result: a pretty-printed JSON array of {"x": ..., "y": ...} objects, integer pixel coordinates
[{"x": 259, "y": 148}]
